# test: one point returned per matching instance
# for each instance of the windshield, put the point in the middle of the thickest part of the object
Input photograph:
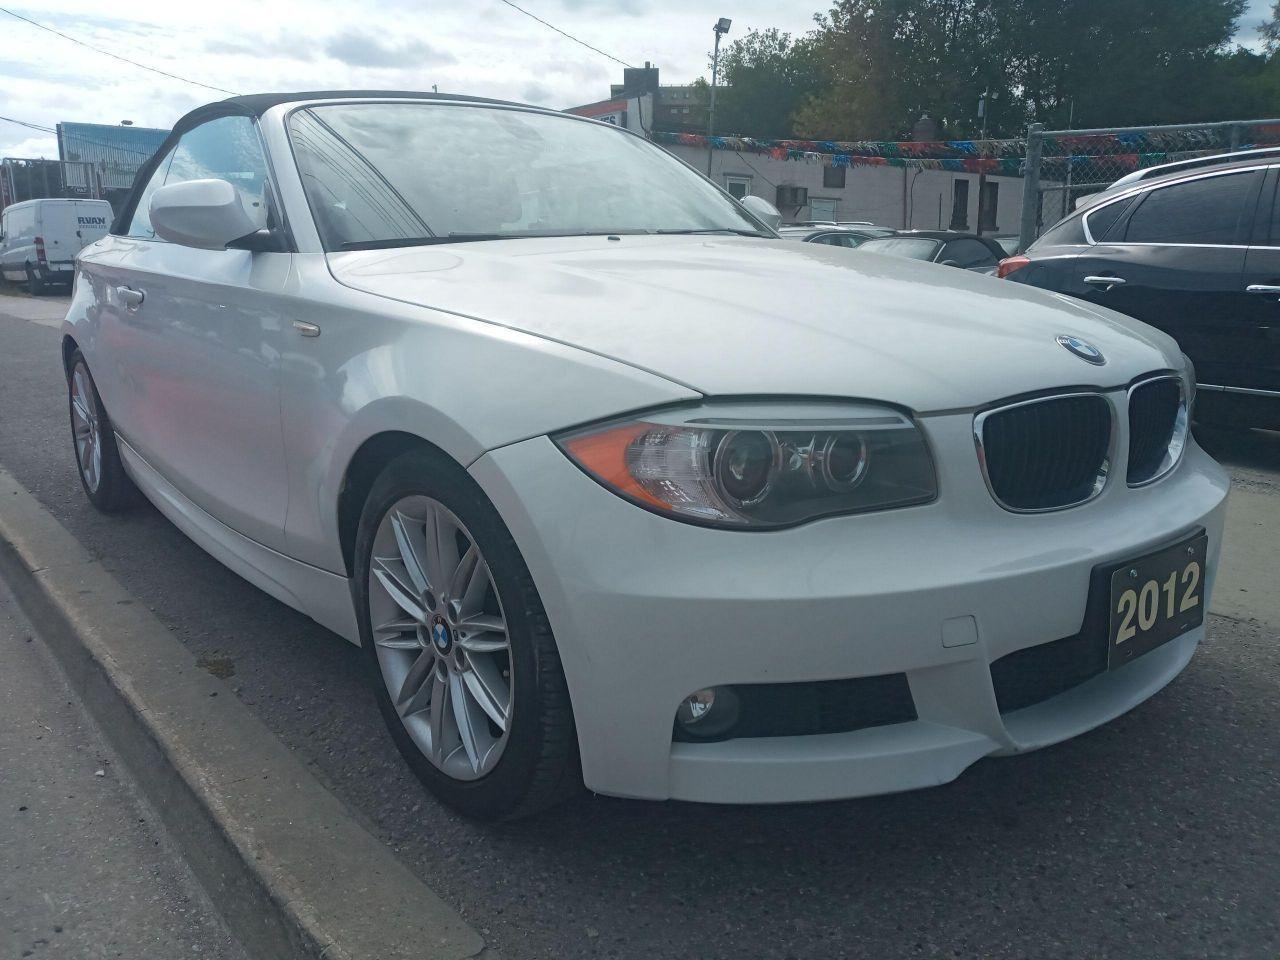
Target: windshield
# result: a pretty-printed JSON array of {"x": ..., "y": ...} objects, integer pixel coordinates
[
  {"x": 913, "y": 248},
  {"x": 397, "y": 174}
]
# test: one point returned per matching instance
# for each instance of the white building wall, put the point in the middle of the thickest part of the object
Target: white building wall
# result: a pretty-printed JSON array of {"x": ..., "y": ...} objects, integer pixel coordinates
[{"x": 898, "y": 197}]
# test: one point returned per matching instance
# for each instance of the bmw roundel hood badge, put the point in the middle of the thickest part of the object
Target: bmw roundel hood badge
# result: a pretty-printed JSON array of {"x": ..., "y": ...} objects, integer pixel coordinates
[{"x": 1083, "y": 349}]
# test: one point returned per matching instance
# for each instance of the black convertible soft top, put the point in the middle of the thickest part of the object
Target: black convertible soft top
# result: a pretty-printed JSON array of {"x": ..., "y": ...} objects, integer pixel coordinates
[{"x": 255, "y": 105}]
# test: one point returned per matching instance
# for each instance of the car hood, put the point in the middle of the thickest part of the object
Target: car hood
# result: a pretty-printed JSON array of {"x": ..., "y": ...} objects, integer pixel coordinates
[{"x": 738, "y": 315}]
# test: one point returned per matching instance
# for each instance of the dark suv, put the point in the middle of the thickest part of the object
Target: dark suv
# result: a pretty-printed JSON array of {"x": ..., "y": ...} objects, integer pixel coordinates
[{"x": 1192, "y": 248}]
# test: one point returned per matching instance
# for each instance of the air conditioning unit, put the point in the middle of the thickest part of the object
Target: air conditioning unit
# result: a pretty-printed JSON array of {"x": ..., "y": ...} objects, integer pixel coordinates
[{"x": 792, "y": 196}]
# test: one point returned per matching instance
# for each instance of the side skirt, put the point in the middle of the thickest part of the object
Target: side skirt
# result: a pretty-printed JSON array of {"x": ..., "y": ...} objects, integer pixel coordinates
[{"x": 323, "y": 596}]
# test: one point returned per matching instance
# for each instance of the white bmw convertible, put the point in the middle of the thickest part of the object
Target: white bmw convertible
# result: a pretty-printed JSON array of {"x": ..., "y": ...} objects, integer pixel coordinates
[{"x": 614, "y": 486}]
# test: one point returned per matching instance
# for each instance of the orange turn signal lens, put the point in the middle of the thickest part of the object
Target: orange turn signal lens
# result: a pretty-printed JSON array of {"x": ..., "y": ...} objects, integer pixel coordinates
[{"x": 604, "y": 454}]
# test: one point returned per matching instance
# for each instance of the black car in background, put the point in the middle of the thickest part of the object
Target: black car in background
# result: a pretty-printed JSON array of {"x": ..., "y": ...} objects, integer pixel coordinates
[
  {"x": 1192, "y": 248},
  {"x": 965, "y": 250},
  {"x": 834, "y": 236}
]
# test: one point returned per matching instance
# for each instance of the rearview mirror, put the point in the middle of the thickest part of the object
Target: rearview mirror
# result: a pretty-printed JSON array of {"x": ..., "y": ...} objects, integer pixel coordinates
[
  {"x": 763, "y": 210},
  {"x": 208, "y": 214}
]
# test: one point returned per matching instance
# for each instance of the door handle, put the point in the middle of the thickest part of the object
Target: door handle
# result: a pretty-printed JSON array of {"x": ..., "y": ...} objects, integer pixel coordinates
[
  {"x": 1263, "y": 288},
  {"x": 306, "y": 329},
  {"x": 130, "y": 297},
  {"x": 1104, "y": 282}
]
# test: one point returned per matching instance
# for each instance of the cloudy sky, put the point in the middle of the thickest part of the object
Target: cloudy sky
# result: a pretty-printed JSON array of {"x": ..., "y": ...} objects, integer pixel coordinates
[{"x": 478, "y": 46}]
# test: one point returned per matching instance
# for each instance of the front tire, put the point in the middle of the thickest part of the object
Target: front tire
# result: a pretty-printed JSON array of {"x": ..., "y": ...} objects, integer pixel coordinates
[
  {"x": 93, "y": 440},
  {"x": 466, "y": 670}
]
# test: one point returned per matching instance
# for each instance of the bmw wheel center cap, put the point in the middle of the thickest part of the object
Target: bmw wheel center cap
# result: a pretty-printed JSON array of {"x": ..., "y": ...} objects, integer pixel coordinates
[{"x": 441, "y": 635}]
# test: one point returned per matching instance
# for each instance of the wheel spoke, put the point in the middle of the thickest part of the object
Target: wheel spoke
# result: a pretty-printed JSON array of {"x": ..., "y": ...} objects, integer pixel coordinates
[
  {"x": 397, "y": 589},
  {"x": 470, "y": 584},
  {"x": 78, "y": 407},
  {"x": 442, "y": 550},
  {"x": 81, "y": 389},
  {"x": 462, "y": 716},
  {"x": 415, "y": 691},
  {"x": 485, "y": 684},
  {"x": 439, "y": 717},
  {"x": 484, "y": 623},
  {"x": 485, "y": 642},
  {"x": 398, "y": 643},
  {"x": 409, "y": 540},
  {"x": 392, "y": 634}
]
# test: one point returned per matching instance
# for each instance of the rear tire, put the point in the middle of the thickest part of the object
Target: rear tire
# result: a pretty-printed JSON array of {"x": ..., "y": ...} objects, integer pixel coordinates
[
  {"x": 35, "y": 285},
  {"x": 93, "y": 441},
  {"x": 485, "y": 620}
]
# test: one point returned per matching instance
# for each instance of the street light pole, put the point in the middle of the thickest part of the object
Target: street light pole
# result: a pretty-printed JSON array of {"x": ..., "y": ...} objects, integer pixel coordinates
[
  {"x": 721, "y": 28},
  {"x": 982, "y": 156}
]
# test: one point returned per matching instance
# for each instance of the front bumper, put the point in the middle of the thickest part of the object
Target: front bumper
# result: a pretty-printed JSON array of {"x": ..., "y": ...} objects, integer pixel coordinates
[{"x": 646, "y": 610}]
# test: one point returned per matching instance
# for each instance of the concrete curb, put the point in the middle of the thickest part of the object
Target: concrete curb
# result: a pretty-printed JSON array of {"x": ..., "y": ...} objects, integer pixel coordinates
[{"x": 293, "y": 874}]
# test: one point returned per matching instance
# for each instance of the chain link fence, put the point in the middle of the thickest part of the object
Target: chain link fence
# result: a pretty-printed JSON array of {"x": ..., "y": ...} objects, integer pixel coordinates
[
  {"x": 1064, "y": 165},
  {"x": 26, "y": 179}
]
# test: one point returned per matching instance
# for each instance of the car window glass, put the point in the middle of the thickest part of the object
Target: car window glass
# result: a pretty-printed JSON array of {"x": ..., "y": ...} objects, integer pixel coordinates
[
  {"x": 968, "y": 253},
  {"x": 915, "y": 248},
  {"x": 1208, "y": 210},
  {"x": 140, "y": 223},
  {"x": 1067, "y": 232},
  {"x": 1271, "y": 229},
  {"x": 831, "y": 239},
  {"x": 380, "y": 173},
  {"x": 224, "y": 149},
  {"x": 1104, "y": 218}
]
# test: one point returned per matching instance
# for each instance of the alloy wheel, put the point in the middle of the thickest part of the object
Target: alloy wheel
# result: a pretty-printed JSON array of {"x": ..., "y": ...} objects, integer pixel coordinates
[
  {"x": 441, "y": 637},
  {"x": 86, "y": 428}
]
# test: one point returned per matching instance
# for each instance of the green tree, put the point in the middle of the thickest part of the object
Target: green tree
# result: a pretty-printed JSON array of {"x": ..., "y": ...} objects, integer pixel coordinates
[
  {"x": 1270, "y": 30},
  {"x": 1118, "y": 62},
  {"x": 767, "y": 75},
  {"x": 1103, "y": 62},
  {"x": 889, "y": 61}
]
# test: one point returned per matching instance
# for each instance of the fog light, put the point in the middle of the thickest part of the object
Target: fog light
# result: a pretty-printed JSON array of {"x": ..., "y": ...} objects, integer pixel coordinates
[
  {"x": 696, "y": 706},
  {"x": 707, "y": 713}
]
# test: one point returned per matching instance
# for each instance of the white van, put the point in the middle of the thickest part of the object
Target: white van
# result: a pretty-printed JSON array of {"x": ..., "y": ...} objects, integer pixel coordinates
[{"x": 39, "y": 239}]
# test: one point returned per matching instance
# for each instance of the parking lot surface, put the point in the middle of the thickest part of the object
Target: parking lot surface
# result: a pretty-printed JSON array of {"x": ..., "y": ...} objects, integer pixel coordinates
[{"x": 1155, "y": 836}]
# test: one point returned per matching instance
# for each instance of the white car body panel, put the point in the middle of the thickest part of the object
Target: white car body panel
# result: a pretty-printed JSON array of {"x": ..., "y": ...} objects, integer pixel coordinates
[
  {"x": 842, "y": 597},
  {"x": 735, "y": 315},
  {"x": 241, "y": 426}
]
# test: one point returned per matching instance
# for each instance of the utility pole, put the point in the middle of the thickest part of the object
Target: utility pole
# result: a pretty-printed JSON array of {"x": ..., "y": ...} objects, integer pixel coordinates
[
  {"x": 982, "y": 166},
  {"x": 721, "y": 28}
]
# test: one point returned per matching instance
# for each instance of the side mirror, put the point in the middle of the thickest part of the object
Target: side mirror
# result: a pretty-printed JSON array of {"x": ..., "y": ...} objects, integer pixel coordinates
[
  {"x": 763, "y": 210},
  {"x": 207, "y": 214}
]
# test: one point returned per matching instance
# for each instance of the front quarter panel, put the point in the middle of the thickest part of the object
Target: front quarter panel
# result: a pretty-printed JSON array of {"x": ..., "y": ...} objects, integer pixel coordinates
[{"x": 464, "y": 385}]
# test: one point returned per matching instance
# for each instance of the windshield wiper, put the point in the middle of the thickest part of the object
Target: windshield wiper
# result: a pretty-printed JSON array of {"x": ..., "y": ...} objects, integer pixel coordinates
[{"x": 736, "y": 232}]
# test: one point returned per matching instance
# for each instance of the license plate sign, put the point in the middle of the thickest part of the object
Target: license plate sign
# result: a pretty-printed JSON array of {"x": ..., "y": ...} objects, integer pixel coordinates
[{"x": 1156, "y": 598}]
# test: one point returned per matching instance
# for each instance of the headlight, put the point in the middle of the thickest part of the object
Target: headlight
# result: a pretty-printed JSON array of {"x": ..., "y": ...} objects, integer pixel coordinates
[{"x": 759, "y": 464}]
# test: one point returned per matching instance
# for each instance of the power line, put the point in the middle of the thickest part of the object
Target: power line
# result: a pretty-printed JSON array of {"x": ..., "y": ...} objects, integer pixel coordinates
[
  {"x": 116, "y": 56},
  {"x": 552, "y": 26},
  {"x": 33, "y": 126},
  {"x": 75, "y": 138},
  {"x": 744, "y": 159}
]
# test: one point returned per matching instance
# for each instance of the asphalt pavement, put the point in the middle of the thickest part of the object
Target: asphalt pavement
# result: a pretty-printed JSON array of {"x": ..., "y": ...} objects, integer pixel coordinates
[
  {"x": 85, "y": 872},
  {"x": 1155, "y": 836}
]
